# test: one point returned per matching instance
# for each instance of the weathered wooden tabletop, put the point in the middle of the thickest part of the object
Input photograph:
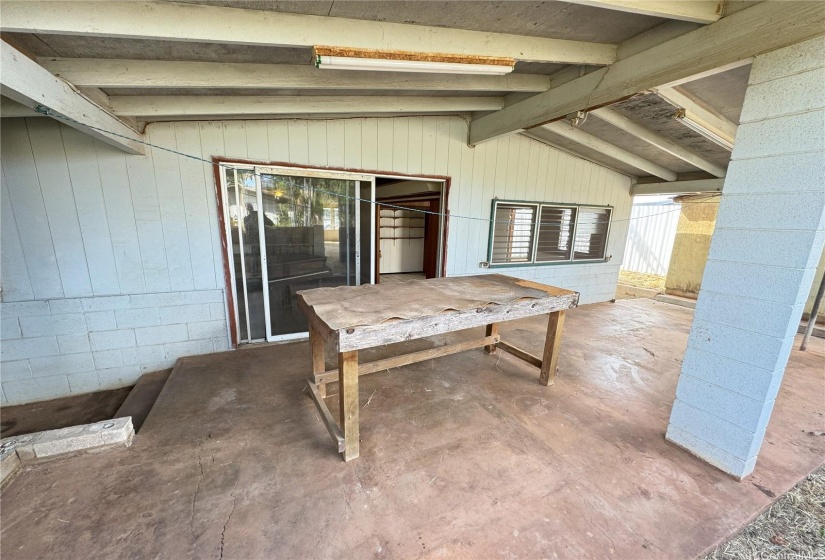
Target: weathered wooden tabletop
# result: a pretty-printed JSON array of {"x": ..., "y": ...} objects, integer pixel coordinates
[
  {"x": 352, "y": 318},
  {"x": 373, "y": 304}
]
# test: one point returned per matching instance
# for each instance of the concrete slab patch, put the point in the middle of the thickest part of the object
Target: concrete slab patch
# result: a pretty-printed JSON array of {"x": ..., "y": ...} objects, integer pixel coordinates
[
  {"x": 676, "y": 300},
  {"x": 51, "y": 444},
  {"x": 9, "y": 464},
  {"x": 625, "y": 290}
]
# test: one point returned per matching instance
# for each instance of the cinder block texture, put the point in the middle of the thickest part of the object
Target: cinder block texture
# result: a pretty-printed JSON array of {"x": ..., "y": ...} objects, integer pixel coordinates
[
  {"x": 769, "y": 236},
  {"x": 80, "y": 345},
  {"x": 51, "y": 444}
]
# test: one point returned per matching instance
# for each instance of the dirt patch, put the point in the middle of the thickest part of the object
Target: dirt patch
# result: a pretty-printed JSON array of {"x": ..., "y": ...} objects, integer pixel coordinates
[
  {"x": 793, "y": 527},
  {"x": 642, "y": 280}
]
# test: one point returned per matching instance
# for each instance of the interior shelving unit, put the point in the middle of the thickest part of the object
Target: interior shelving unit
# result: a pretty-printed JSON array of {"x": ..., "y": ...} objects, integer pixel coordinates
[
  {"x": 402, "y": 240},
  {"x": 401, "y": 224}
]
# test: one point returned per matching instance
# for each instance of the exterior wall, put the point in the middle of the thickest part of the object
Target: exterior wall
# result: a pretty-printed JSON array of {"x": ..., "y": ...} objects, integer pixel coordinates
[
  {"x": 697, "y": 220},
  {"x": 650, "y": 237},
  {"x": 112, "y": 264},
  {"x": 769, "y": 237}
]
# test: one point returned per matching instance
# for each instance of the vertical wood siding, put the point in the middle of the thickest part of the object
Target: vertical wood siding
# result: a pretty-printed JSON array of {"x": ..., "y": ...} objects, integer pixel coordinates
[
  {"x": 112, "y": 264},
  {"x": 82, "y": 219}
]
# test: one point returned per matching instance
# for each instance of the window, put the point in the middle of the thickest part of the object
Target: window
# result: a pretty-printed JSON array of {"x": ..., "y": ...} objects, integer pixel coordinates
[
  {"x": 562, "y": 233},
  {"x": 513, "y": 233}
]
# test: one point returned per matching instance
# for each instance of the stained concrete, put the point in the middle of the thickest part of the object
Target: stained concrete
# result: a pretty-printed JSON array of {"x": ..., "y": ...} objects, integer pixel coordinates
[
  {"x": 464, "y": 456},
  {"x": 142, "y": 397}
]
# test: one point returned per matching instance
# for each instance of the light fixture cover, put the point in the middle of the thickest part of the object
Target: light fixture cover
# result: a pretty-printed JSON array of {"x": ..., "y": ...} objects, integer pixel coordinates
[
  {"x": 698, "y": 126},
  {"x": 405, "y": 61}
]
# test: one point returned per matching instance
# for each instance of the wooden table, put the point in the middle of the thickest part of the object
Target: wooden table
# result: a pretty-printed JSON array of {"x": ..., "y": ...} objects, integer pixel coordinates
[{"x": 352, "y": 318}]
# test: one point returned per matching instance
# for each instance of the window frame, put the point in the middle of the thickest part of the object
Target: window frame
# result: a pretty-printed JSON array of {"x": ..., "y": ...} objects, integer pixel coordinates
[{"x": 539, "y": 205}]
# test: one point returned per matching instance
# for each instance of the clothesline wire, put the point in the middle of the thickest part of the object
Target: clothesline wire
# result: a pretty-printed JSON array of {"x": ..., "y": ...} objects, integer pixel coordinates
[{"x": 51, "y": 113}]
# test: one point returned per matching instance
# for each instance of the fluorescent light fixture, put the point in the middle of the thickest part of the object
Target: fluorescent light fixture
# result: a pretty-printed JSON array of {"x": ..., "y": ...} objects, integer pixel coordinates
[
  {"x": 698, "y": 125},
  {"x": 336, "y": 58}
]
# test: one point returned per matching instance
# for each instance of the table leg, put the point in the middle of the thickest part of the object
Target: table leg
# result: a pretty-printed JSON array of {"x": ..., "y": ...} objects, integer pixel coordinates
[
  {"x": 348, "y": 403},
  {"x": 316, "y": 343},
  {"x": 492, "y": 330},
  {"x": 552, "y": 345}
]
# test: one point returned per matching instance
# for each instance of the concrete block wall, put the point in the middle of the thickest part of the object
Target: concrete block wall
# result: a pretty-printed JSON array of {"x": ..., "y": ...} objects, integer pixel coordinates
[
  {"x": 53, "y": 348},
  {"x": 104, "y": 256},
  {"x": 111, "y": 264},
  {"x": 769, "y": 236}
]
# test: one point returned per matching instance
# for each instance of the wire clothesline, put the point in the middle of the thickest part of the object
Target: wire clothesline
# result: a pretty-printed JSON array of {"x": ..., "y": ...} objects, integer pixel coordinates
[{"x": 44, "y": 110}]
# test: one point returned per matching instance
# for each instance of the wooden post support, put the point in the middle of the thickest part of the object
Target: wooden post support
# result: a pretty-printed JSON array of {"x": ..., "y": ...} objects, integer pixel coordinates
[
  {"x": 316, "y": 343},
  {"x": 552, "y": 345},
  {"x": 492, "y": 330},
  {"x": 348, "y": 402}
]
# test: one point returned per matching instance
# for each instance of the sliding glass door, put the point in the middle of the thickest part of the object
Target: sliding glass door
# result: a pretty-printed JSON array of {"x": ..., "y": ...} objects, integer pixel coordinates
[{"x": 291, "y": 230}]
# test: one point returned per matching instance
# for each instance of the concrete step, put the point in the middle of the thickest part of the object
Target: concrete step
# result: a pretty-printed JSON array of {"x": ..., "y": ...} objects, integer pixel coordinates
[
  {"x": 626, "y": 290},
  {"x": 19, "y": 451},
  {"x": 142, "y": 397},
  {"x": 677, "y": 300}
]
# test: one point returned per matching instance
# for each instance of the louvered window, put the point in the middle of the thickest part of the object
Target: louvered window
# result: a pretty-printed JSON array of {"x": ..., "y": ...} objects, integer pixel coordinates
[
  {"x": 591, "y": 233},
  {"x": 536, "y": 233},
  {"x": 555, "y": 234},
  {"x": 513, "y": 233}
]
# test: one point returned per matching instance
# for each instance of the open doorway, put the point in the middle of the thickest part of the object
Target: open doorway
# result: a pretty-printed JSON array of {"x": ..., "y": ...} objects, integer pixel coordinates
[{"x": 410, "y": 228}]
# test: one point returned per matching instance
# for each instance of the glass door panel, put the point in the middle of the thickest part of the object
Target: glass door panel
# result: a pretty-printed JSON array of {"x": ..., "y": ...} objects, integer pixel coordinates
[
  {"x": 246, "y": 253},
  {"x": 310, "y": 239}
]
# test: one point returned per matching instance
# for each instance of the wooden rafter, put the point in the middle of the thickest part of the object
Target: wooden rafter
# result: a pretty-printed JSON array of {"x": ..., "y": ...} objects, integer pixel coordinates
[
  {"x": 26, "y": 82},
  {"x": 762, "y": 28},
  {"x": 148, "y": 74},
  {"x": 169, "y": 21}
]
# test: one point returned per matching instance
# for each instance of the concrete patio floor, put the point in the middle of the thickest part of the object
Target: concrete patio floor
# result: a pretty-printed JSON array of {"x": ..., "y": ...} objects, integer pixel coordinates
[{"x": 465, "y": 456}]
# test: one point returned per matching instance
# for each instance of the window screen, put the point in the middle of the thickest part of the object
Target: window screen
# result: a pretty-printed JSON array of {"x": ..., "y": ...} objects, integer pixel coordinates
[
  {"x": 591, "y": 233},
  {"x": 555, "y": 234},
  {"x": 513, "y": 233}
]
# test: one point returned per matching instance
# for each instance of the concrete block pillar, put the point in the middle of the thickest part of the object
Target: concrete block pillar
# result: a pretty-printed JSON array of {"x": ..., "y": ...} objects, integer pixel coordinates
[{"x": 770, "y": 232}]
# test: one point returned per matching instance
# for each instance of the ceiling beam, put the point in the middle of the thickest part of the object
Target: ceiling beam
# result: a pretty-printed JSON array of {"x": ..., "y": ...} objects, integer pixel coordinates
[
  {"x": 697, "y": 11},
  {"x": 169, "y": 21},
  {"x": 104, "y": 73},
  {"x": 218, "y": 105},
  {"x": 562, "y": 128},
  {"x": 533, "y": 136},
  {"x": 26, "y": 82},
  {"x": 762, "y": 28},
  {"x": 678, "y": 187},
  {"x": 619, "y": 120},
  {"x": 700, "y": 113}
]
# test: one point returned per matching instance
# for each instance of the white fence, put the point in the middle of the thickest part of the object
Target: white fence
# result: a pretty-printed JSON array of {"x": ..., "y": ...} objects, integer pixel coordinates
[{"x": 650, "y": 236}]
